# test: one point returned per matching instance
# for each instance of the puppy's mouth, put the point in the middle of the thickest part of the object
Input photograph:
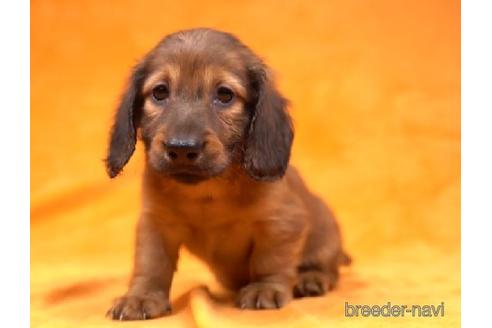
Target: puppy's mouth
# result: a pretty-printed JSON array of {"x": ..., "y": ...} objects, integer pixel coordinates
[
  {"x": 188, "y": 177},
  {"x": 188, "y": 173}
]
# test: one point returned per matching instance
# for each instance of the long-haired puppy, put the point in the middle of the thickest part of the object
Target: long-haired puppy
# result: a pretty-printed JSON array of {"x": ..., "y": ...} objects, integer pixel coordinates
[{"x": 217, "y": 179}]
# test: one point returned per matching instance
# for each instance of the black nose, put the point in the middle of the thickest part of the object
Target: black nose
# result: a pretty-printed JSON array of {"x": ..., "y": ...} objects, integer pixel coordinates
[{"x": 183, "y": 150}]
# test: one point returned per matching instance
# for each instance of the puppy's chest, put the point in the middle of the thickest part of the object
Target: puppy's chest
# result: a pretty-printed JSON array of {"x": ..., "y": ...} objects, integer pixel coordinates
[
  {"x": 217, "y": 230},
  {"x": 219, "y": 245}
]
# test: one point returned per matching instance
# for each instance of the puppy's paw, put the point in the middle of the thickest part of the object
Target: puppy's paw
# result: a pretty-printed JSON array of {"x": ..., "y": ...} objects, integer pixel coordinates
[
  {"x": 313, "y": 283},
  {"x": 139, "y": 307},
  {"x": 263, "y": 295}
]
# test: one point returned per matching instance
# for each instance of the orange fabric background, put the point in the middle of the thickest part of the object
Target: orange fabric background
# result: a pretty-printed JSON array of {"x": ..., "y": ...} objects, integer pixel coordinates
[{"x": 375, "y": 92}]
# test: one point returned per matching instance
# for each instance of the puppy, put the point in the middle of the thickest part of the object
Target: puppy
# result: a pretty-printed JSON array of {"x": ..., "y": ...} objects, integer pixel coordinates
[{"x": 217, "y": 140}]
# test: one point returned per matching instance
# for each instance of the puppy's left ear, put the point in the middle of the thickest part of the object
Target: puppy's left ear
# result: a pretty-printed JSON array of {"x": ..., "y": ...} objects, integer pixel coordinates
[
  {"x": 123, "y": 133},
  {"x": 270, "y": 132}
]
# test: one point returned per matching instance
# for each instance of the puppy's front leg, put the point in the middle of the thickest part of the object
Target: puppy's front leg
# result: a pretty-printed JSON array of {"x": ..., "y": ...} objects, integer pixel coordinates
[
  {"x": 273, "y": 265},
  {"x": 154, "y": 265}
]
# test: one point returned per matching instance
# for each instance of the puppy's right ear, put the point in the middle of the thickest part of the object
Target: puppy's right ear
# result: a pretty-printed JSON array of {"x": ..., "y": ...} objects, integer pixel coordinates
[
  {"x": 270, "y": 133},
  {"x": 123, "y": 133}
]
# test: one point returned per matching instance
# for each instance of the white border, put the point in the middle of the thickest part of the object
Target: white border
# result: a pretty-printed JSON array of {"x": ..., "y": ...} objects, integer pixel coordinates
[
  {"x": 476, "y": 163},
  {"x": 14, "y": 171}
]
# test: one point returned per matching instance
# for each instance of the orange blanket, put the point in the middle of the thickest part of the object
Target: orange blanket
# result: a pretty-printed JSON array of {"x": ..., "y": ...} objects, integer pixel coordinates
[{"x": 375, "y": 93}]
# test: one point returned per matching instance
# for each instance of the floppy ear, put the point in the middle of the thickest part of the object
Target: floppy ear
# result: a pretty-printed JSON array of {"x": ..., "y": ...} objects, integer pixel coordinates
[
  {"x": 123, "y": 133},
  {"x": 270, "y": 132}
]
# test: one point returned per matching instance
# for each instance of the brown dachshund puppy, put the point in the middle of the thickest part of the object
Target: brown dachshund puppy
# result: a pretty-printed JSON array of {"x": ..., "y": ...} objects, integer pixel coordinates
[{"x": 217, "y": 137}]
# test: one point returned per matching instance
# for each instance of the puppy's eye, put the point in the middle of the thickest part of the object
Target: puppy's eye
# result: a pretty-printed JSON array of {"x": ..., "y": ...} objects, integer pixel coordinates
[
  {"x": 224, "y": 96},
  {"x": 160, "y": 92}
]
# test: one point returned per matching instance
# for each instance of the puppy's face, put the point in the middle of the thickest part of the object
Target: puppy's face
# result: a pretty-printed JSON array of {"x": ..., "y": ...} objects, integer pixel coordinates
[
  {"x": 201, "y": 101},
  {"x": 194, "y": 116}
]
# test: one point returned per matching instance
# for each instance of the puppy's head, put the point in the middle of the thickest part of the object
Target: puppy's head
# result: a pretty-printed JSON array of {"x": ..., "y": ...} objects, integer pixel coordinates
[{"x": 202, "y": 101}]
